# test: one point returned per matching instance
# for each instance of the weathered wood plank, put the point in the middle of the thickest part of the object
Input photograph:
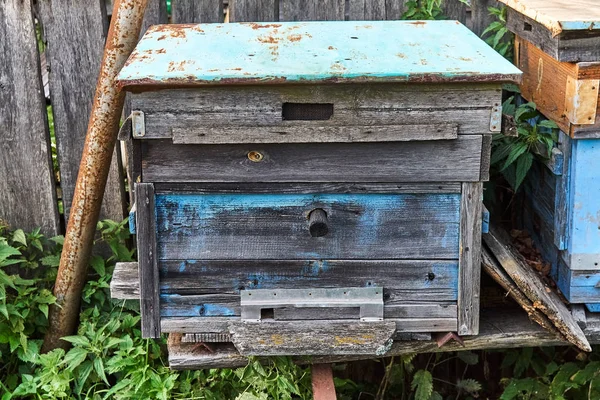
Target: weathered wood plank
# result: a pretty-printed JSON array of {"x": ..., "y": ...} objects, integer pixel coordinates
[
  {"x": 432, "y": 161},
  {"x": 404, "y": 311},
  {"x": 467, "y": 106},
  {"x": 228, "y": 324},
  {"x": 28, "y": 196},
  {"x": 125, "y": 282},
  {"x": 148, "y": 263},
  {"x": 314, "y": 338},
  {"x": 253, "y": 10},
  {"x": 486, "y": 152},
  {"x": 415, "y": 317},
  {"x": 469, "y": 269},
  {"x": 403, "y": 280},
  {"x": 275, "y": 226},
  {"x": 311, "y": 10},
  {"x": 491, "y": 267},
  {"x": 501, "y": 329},
  {"x": 567, "y": 46},
  {"x": 75, "y": 32},
  {"x": 551, "y": 85},
  {"x": 196, "y": 11},
  {"x": 257, "y": 187},
  {"x": 562, "y": 198},
  {"x": 532, "y": 286},
  {"x": 414, "y": 289},
  {"x": 375, "y": 10},
  {"x": 297, "y": 132},
  {"x": 455, "y": 9}
]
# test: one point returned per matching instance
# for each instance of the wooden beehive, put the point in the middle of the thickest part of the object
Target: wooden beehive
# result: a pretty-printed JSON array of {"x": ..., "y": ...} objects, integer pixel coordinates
[
  {"x": 567, "y": 30},
  {"x": 558, "y": 49},
  {"x": 318, "y": 183},
  {"x": 563, "y": 213},
  {"x": 567, "y": 93}
]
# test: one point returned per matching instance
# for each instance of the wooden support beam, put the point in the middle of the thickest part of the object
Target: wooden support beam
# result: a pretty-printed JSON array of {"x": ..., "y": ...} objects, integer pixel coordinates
[
  {"x": 322, "y": 382},
  {"x": 499, "y": 329}
]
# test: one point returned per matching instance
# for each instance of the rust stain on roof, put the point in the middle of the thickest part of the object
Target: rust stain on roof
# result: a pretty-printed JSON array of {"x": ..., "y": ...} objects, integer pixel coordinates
[
  {"x": 294, "y": 38},
  {"x": 255, "y": 25},
  {"x": 268, "y": 39}
]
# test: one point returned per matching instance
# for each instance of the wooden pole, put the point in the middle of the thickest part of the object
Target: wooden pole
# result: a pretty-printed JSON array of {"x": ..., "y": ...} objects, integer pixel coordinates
[
  {"x": 99, "y": 146},
  {"x": 322, "y": 382}
]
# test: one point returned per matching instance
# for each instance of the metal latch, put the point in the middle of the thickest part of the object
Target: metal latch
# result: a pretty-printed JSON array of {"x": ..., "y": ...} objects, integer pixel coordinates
[{"x": 369, "y": 300}]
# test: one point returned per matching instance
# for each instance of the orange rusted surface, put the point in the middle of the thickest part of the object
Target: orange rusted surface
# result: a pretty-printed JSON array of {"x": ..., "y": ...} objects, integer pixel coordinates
[{"x": 93, "y": 171}]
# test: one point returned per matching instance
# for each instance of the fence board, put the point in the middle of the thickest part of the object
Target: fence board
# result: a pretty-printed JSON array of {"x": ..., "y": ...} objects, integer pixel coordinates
[
  {"x": 480, "y": 15},
  {"x": 194, "y": 11},
  {"x": 311, "y": 10},
  {"x": 75, "y": 32},
  {"x": 375, "y": 10},
  {"x": 253, "y": 10},
  {"x": 28, "y": 195},
  {"x": 455, "y": 9}
]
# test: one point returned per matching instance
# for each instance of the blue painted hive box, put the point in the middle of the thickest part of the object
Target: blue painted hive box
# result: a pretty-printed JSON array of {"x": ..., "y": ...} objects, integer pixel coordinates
[
  {"x": 311, "y": 188},
  {"x": 563, "y": 213}
]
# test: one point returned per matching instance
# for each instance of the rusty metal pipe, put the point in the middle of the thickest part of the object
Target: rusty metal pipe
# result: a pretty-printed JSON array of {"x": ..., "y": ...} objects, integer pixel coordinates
[{"x": 100, "y": 141}]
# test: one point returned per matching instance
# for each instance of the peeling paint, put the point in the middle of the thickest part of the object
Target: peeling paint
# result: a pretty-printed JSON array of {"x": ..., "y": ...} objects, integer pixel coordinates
[{"x": 266, "y": 53}]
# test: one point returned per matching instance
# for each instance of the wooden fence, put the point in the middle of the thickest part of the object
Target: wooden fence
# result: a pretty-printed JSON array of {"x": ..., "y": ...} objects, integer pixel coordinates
[{"x": 68, "y": 58}]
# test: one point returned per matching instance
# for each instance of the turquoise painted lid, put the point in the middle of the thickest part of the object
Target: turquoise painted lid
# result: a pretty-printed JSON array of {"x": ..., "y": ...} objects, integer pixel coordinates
[{"x": 312, "y": 52}]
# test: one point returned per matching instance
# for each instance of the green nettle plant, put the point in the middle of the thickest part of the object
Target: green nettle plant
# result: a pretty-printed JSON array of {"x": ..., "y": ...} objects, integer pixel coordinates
[
  {"x": 108, "y": 358},
  {"x": 513, "y": 156},
  {"x": 497, "y": 34},
  {"x": 550, "y": 376}
]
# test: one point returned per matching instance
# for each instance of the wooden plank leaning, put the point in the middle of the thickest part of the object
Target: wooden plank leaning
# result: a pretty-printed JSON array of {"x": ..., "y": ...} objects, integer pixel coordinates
[{"x": 529, "y": 282}]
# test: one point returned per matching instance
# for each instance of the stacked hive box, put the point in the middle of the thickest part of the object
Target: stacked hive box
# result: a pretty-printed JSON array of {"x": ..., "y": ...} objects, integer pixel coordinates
[
  {"x": 311, "y": 180},
  {"x": 558, "y": 48}
]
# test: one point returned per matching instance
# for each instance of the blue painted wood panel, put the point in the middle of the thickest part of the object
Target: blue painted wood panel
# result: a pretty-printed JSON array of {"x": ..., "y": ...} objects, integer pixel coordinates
[
  {"x": 412, "y": 280},
  {"x": 211, "y": 288},
  {"x": 576, "y": 264},
  {"x": 275, "y": 226},
  {"x": 313, "y": 52},
  {"x": 584, "y": 232}
]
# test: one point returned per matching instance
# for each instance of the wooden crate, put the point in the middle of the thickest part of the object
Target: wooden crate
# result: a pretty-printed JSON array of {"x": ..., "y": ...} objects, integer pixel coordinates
[
  {"x": 566, "y": 30},
  {"x": 311, "y": 159},
  {"x": 563, "y": 213},
  {"x": 567, "y": 93}
]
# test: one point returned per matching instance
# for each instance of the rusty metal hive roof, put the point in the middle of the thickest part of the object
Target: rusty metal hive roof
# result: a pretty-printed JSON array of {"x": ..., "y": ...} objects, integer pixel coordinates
[{"x": 312, "y": 52}]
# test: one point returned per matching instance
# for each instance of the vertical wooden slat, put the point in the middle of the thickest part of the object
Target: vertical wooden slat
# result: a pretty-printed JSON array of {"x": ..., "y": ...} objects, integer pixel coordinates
[
  {"x": 469, "y": 263},
  {"x": 75, "y": 32},
  {"x": 311, "y": 10},
  {"x": 156, "y": 13},
  {"x": 455, "y": 9},
  {"x": 28, "y": 195},
  {"x": 480, "y": 15},
  {"x": 253, "y": 10},
  {"x": 195, "y": 11},
  {"x": 375, "y": 10},
  {"x": 562, "y": 198},
  {"x": 146, "y": 244}
]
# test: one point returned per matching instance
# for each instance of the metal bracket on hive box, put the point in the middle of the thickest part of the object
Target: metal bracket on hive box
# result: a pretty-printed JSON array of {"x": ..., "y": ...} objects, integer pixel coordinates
[{"x": 369, "y": 300}]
